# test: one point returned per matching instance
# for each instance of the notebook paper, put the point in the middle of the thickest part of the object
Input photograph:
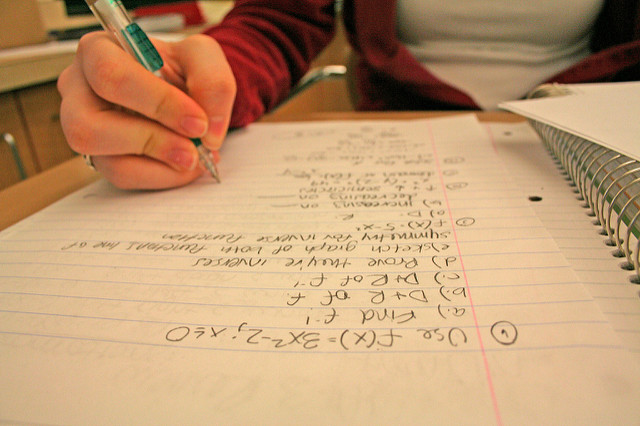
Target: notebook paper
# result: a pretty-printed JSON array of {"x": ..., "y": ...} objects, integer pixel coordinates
[
  {"x": 351, "y": 272},
  {"x": 606, "y": 114},
  {"x": 557, "y": 205}
]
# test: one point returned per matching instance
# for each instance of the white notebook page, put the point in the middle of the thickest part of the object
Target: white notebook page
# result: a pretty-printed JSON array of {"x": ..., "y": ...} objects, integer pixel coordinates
[
  {"x": 533, "y": 169},
  {"x": 606, "y": 114},
  {"x": 356, "y": 272}
]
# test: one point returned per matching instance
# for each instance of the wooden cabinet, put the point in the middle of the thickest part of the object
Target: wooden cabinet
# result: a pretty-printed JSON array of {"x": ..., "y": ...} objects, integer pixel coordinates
[
  {"x": 41, "y": 108},
  {"x": 12, "y": 126},
  {"x": 31, "y": 117}
]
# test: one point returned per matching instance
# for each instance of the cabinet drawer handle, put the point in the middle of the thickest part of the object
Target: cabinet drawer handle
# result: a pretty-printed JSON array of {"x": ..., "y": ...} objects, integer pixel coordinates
[{"x": 10, "y": 140}]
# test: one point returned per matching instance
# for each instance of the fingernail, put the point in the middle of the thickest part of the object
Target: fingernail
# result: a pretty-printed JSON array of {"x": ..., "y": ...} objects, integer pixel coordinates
[
  {"x": 217, "y": 130},
  {"x": 183, "y": 158},
  {"x": 217, "y": 126},
  {"x": 194, "y": 126}
]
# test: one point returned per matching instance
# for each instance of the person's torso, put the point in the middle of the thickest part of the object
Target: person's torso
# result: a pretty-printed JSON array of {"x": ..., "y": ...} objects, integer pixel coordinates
[{"x": 496, "y": 50}]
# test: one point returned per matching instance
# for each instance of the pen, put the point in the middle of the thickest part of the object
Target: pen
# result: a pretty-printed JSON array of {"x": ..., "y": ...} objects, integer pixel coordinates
[{"x": 115, "y": 20}]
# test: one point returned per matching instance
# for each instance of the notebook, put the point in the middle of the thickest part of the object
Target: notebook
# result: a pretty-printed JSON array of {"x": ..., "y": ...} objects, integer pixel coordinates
[
  {"x": 344, "y": 272},
  {"x": 603, "y": 113},
  {"x": 571, "y": 223},
  {"x": 591, "y": 132}
]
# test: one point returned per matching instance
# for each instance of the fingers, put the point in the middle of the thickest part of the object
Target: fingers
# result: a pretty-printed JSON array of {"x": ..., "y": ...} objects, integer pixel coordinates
[
  {"x": 135, "y": 172},
  {"x": 198, "y": 65},
  {"x": 93, "y": 127},
  {"x": 150, "y": 148},
  {"x": 118, "y": 78}
]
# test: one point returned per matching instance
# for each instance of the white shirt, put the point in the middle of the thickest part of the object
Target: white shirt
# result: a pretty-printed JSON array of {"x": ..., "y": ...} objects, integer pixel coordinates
[{"x": 496, "y": 50}]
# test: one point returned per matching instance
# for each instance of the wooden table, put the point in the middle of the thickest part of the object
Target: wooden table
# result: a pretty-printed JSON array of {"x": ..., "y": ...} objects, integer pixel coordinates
[{"x": 36, "y": 193}]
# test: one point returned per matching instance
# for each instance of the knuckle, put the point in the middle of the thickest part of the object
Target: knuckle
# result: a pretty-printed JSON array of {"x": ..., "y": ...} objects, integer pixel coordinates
[
  {"x": 228, "y": 87},
  {"x": 120, "y": 181},
  {"x": 163, "y": 105},
  {"x": 108, "y": 77},
  {"x": 105, "y": 75},
  {"x": 86, "y": 41},
  {"x": 203, "y": 41},
  {"x": 62, "y": 82},
  {"x": 78, "y": 138},
  {"x": 77, "y": 130},
  {"x": 221, "y": 91},
  {"x": 84, "y": 44},
  {"x": 149, "y": 145},
  {"x": 119, "y": 172},
  {"x": 223, "y": 83}
]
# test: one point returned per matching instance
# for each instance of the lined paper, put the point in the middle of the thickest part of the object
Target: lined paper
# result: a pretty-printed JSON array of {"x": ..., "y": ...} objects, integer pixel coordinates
[
  {"x": 571, "y": 227},
  {"x": 367, "y": 272}
]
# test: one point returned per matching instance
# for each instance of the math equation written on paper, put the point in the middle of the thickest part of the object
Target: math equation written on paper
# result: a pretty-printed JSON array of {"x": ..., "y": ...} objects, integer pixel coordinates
[{"x": 353, "y": 248}]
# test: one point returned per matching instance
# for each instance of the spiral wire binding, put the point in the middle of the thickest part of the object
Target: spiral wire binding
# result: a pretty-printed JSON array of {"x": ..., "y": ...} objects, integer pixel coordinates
[{"x": 609, "y": 184}]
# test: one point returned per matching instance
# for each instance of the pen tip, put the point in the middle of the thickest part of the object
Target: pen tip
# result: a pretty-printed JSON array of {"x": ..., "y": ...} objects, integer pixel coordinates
[
  {"x": 214, "y": 173},
  {"x": 206, "y": 159}
]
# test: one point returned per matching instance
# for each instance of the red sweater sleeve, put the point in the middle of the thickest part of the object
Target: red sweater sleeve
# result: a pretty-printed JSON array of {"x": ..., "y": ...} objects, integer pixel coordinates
[{"x": 269, "y": 45}]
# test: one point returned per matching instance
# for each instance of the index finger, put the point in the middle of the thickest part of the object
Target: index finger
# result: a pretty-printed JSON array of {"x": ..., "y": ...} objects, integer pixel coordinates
[{"x": 118, "y": 78}]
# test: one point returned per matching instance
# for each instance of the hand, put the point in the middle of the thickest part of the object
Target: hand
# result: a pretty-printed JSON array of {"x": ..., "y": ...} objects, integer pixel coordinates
[{"x": 137, "y": 126}]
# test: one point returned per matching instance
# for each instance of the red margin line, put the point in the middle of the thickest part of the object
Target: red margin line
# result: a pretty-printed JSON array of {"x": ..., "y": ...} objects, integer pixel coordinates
[{"x": 492, "y": 391}]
